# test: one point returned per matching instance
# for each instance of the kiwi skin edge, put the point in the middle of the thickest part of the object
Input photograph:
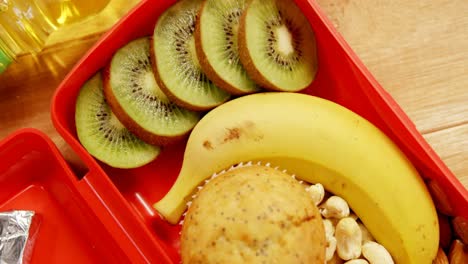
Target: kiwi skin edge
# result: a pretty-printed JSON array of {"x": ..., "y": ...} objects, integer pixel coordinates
[
  {"x": 128, "y": 122},
  {"x": 247, "y": 62},
  {"x": 167, "y": 92},
  {"x": 205, "y": 64},
  {"x": 245, "y": 59}
]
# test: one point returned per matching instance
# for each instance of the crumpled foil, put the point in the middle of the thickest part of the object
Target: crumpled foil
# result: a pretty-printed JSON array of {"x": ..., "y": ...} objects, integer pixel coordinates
[{"x": 16, "y": 236}]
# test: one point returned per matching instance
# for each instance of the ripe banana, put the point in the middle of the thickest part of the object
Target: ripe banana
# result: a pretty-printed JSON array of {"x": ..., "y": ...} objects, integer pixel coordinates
[{"x": 323, "y": 142}]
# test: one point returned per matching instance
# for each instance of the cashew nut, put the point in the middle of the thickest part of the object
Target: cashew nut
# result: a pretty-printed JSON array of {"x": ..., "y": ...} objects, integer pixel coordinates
[
  {"x": 376, "y": 253},
  {"x": 366, "y": 235},
  {"x": 357, "y": 261},
  {"x": 331, "y": 240},
  {"x": 335, "y": 207},
  {"x": 317, "y": 192},
  {"x": 329, "y": 228},
  {"x": 349, "y": 239},
  {"x": 331, "y": 248}
]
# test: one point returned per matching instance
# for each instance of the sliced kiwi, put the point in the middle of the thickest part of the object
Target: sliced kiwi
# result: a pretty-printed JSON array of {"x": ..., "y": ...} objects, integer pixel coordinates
[
  {"x": 216, "y": 44},
  {"x": 136, "y": 99},
  {"x": 277, "y": 45},
  {"x": 101, "y": 133},
  {"x": 175, "y": 61}
]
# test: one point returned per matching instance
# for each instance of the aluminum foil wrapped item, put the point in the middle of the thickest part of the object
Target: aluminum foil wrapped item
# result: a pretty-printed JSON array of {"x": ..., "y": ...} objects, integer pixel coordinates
[{"x": 17, "y": 236}]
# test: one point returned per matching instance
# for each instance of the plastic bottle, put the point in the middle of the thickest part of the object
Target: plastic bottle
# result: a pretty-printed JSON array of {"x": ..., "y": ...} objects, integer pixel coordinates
[{"x": 26, "y": 24}]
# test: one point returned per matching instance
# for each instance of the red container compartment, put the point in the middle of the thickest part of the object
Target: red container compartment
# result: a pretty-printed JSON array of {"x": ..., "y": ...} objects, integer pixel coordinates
[
  {"x": 122, "y": 199},
  {"x": 34, "y": 176}
]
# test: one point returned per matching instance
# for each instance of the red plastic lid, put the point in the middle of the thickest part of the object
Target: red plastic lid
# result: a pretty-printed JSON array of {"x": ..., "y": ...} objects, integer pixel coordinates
[{"x": 34, "y": 176}]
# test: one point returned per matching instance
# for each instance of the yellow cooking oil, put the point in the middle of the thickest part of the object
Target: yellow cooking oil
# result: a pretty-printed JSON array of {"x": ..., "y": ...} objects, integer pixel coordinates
[
  {"x": 70, "y": 11},
  {"x": 25, "y": 25}
]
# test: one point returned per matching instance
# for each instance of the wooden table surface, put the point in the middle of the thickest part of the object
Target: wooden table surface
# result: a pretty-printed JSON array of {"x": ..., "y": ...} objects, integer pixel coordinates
[{"x": 418, "y": 51}]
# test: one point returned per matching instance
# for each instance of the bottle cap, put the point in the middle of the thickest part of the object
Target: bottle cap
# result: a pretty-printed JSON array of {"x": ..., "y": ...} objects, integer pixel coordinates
[{"x": 5, "y": 60}]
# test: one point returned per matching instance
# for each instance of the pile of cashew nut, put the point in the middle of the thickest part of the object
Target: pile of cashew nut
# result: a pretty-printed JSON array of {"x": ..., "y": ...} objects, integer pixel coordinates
[{"x": 348, "y": 240}]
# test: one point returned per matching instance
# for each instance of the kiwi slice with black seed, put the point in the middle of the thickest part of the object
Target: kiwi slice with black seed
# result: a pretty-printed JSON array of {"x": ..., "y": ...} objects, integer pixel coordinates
[
  {"x": 102, "y": 134},
  {"x": 216, "y": 44},
  {"x": 136, "y": 99},
  {"x": 175, "y": 61},
  {"x": 277, "y": 45}
]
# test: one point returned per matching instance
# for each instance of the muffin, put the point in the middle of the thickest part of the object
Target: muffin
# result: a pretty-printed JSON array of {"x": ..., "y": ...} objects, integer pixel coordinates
[{"x": 253, "y": 214}]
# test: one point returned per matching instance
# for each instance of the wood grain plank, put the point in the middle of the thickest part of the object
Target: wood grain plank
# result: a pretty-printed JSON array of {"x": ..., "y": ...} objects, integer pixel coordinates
[
  {"x": 452, "y": 147},
  {"x": 418, "y": 52},
  {"x": 27, "y": 87},
  {"x": 416, "y": 49}
]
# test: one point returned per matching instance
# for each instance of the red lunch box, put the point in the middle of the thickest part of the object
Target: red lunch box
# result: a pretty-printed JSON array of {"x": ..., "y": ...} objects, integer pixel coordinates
[{"x": 105, "y": 215}]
